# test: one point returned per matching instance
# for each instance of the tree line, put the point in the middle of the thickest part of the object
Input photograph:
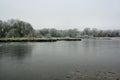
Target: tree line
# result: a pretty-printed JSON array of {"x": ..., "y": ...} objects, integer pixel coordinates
[
  {"x": 17, "y": 28},
  {"x": 100, "y": 33}
]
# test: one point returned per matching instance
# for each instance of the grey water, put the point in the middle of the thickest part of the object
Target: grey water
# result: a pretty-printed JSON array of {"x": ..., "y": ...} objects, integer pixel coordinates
[{"x": 54, "y": 60}]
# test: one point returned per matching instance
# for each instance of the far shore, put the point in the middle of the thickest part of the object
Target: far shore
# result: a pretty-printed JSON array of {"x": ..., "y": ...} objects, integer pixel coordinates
[
  {"x": 102, "y": 38},
  {"x": 54, "y": 39}
]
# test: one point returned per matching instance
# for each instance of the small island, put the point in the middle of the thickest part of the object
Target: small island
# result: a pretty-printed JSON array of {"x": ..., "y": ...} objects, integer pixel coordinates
[
  {"x": 15, "y": 30},
  {"x": 38, "y": 39}
]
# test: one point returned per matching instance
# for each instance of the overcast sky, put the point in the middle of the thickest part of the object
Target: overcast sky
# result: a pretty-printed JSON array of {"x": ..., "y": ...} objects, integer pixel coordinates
[{"x": 63, "y": 14}]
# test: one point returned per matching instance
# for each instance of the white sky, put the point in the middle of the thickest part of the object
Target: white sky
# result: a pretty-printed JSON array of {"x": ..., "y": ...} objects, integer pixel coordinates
[{"x": 63, "y": 14}]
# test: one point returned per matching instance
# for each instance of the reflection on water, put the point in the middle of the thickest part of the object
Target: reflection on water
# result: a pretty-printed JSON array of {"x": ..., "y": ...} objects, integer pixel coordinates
[
  {"x": 15, "y": 50},
  {"x": 55, "y": 60}
]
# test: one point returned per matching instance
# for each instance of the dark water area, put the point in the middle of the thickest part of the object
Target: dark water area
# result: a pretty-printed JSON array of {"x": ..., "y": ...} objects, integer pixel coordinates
[{"x": 58, "y": 60}]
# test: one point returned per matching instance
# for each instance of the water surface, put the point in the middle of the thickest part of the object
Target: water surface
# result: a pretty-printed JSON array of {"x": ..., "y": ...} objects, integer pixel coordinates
[{"x": 55, "y": 60}]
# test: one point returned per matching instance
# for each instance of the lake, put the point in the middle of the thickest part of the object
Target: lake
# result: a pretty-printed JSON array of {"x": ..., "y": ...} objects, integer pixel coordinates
[{"x": 61, "y": 60}]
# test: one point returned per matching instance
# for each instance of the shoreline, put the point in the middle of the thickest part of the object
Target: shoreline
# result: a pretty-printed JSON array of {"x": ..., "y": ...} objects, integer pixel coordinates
[{"x": 38, "y": 39}]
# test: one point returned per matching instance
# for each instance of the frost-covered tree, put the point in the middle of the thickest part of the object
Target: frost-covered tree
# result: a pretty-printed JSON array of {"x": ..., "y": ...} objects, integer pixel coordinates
[{"x": 15, "y": 28}]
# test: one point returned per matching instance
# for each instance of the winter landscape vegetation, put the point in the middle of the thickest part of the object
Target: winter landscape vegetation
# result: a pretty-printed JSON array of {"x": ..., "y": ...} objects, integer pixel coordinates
[{"x": 15, "y": 28}]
